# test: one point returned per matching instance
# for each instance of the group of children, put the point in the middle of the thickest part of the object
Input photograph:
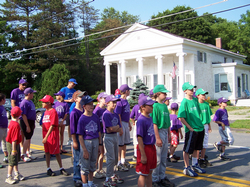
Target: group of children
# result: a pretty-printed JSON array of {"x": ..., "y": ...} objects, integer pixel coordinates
[{"x": 105, "y": 130}]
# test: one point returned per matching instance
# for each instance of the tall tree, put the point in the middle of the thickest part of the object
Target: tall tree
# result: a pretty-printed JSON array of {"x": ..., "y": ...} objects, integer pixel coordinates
[{"x": 196, "y": 29}]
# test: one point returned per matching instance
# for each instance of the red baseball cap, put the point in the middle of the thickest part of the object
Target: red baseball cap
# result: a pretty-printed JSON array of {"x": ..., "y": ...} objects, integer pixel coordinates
[
  {"x": 16, "y": 112},
  {"x": 47, "y": 98}
]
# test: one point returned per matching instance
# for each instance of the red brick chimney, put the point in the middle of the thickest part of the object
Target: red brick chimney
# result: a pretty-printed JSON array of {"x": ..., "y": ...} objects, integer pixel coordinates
[{"x": 218, "y": 43}]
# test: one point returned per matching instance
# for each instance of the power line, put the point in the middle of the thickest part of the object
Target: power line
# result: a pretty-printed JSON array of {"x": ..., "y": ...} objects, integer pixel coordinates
[
  {"x": 127, "y": 32},
  {"x": 108, "y": 30}
]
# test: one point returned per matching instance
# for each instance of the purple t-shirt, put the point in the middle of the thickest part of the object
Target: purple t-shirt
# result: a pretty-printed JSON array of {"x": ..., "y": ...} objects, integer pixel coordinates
[
  {"x": 28, "y": 108},
  {"x": 222, "y": 116},
  {"x": 74, "y": 117},
  {"x": 17, "y": 95},
  {"x": 88, "y": 127},
  {"x": 99, "y": 111},
  {"x": 135, "y": 113},
  {"x": 123, "y": 108},
  {"x": 175, "y": 122},
  {"x": 145, "y": 129},
  {"x": 3, "y": 117},
  {"x": 110, "y": 120},
  {"x": 62, "y": 108}
]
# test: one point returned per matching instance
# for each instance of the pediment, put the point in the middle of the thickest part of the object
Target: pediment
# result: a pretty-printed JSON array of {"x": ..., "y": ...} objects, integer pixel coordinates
[{"x": 140, "y": 37}]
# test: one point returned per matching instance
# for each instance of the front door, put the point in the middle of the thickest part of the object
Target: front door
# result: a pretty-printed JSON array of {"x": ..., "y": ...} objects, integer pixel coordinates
[{"x": 239, "y": 87}]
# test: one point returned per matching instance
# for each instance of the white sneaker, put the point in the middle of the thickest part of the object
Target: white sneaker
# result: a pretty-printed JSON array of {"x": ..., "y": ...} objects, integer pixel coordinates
[
  {"x": 10, "y": 180},
  {"x": 5, "y": 159},
  {"x": 25, "y": 158},
  {"x": 69, "y": 142},
  {"x": 19, "y": 177},
  {"x": 31, "y": 157}
]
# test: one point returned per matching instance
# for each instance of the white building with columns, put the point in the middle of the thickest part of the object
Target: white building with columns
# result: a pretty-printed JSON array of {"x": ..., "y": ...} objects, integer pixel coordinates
[{"x": 149, "y": 54}]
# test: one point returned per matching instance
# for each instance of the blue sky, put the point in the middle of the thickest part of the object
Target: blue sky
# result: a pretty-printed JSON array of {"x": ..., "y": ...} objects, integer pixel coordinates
[{"x": 146, "y": 8}]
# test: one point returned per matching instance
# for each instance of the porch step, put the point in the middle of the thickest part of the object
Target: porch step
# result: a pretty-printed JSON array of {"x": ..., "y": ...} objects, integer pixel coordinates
[{"x": 243, "y": 102}]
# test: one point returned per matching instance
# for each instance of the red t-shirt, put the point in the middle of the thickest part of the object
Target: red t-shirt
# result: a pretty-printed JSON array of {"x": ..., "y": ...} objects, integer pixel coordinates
[
  {"x": 51, "y": 118},
  {"x": 14, "y": 132}
]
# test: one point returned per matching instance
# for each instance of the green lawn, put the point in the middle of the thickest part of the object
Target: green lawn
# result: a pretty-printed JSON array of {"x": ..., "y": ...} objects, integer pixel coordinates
[
  {"x": 241, "y": 124},
  {"x": 229, "y": 108}
]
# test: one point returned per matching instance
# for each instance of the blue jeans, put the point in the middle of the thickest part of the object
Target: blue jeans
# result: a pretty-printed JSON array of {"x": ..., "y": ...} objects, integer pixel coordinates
[{"x": 76, "y": 166}]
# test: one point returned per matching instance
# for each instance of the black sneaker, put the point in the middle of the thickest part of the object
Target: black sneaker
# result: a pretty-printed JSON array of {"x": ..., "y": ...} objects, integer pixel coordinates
[
  {"x": 172, "y": 159},
  {"x": 64, "y": 172},
  {"x": 202, "y": 163},
  {"x": 176, "y": 157},
  {"x": 51, "y": 173},
  {"x": 78, "y": 183},
  {"x": 165, "y": 182},
  {"x": 208, "y": 163},
  {"x": 224, "y": 157}
]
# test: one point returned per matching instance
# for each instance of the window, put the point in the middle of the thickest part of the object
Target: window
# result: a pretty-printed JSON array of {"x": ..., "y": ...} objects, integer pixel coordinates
[
  {"x": 244, "y": 82},
  {"x": 146, "y": 80},
  {"x": 233, "y": 60},
  {"x": 201, "y": 56},
  {"x": 128, "y": 81},
  {"x": 221, "y": 83},
  {"x": 225, "y": 59},
  {"x": 155, "y": 80}
]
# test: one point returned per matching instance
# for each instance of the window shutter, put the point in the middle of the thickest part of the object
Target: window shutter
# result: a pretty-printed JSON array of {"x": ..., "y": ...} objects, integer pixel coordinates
[
  {"x": 205, "y": 57},
  {"x": 216, "y": 83},
  {"x": 198, "y": 56},
  {"x": 230, "y": 82},
  {"x": 155, "y": 80},
  {"x": 247, "y": 82}
]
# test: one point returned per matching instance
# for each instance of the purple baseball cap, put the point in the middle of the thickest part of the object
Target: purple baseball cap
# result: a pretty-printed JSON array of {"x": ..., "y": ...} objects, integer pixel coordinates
[
  {"x": 23, "y": 81},
  {"x": 145, "y": 100},
  {"x": 102, "y": 95},
  {"x": 141, "y": 95},
  {"x": 60, "y": 93},
  {"x": 124, "y": 87},
  {"x": 111, "y": 98},
  {"x": 222, "y": 100},
  {"x": 29, "y": 90},
  {"x": 151, "y": 93},
  {"x": 167, "y": 98},
  {"x": 174, "y": 106}
]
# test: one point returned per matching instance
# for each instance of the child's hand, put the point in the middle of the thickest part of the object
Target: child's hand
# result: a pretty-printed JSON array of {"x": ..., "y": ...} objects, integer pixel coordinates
[
  {"x": 61, "y": 123},
  {"x": 44, "y": 140},
  {"x": 181, "y": 136},
  {"x": 209, "y": 129},
  {"x": 120, "y": 132},
  {"x": 158, "y": 142},
  {"x": 86, "y": 154},
  {"x": 169, "y": 137},
  {"x": 130, "y": 127},
  {"x": 13, "y": 153},
  {"x": 28, "y": 129},
  {"x": 223, "y": 127},
  {"x": 75, "y": 145},
  {"x": 143, "y": 159}
]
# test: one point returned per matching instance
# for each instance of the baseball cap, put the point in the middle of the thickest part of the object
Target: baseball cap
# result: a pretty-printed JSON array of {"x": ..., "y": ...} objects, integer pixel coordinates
[
  {"x": 222, "y": 100},
  {"x": 151, "y": 93},
  {"x": 29, "y": 90},
  {"x": 174, "y": 106},
  {"x": 22, "y": 81},
  {"x": 187, "y": 86},
  {"x": 160, "y": 88},
  {"x": 72, "y": 80},
  {"x": 47, "y": 98},
  {"x": 124, "y": 87},
  {"x": 111, "y": 98},
  {"x": 60, "y": 93},
  {"x": 16, "y": 111},
  {"x": 200, "y": 91},
  {"x": 102, "y": 95},
  {"x": 145, "y": 100},
  {"x": 87, "y": 99},
  {"x": 167, "y": 98},
  {"x": 117, "y": 92},
  {"x": 141, "y": 95}
]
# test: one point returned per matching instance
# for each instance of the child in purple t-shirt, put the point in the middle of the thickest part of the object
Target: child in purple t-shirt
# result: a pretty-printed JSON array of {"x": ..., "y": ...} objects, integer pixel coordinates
[
  {"x": 146, "y": 151},
  {"x": 3, "y": 127},
  {"x": 134, "y": 115},
  {"x": 175, "y": 130},
  {"x": 88, "y": 129},
  {"x": 62, "y": 109},
  {"x": 99, "y": 110},
  {"x": 221, "y": 118}
]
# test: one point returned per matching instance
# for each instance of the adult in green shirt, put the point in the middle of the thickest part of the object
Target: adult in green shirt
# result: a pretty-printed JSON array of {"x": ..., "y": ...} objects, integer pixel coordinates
[{"x": 190, "y": 115}]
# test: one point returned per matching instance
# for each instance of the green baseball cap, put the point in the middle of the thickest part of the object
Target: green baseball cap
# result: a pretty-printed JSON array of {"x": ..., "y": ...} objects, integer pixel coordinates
[
  {"x": 187, "y": 86},
  {"x": 200, "y": 91},
  {"x": 160, "y": 88}
]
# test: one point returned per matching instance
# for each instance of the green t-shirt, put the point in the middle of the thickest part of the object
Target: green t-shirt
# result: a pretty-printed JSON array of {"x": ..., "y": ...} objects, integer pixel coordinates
[
  {"x": 190, "y": 110},
  {"x": 160, "y": 115},
  {"x": 206, "y": 113}
]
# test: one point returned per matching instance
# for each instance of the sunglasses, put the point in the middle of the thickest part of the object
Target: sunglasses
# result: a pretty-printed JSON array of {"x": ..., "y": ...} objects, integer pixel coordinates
[{"x": 24, "y": 84}]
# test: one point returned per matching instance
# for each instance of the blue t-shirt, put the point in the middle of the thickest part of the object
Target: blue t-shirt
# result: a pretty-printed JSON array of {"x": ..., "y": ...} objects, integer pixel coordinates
[{"x": 68, "y": 93}]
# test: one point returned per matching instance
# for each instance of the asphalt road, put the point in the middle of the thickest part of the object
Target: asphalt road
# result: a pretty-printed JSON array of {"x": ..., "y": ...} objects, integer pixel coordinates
[{"x": 223, "y": 173}]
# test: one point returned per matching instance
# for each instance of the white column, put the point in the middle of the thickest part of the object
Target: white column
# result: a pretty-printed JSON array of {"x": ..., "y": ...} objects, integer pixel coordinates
[
  {"x": 107, "y": 77},
  {"x": 119, "y": 75},
  {"x": 159, "y": 68},
  {"x": 140, "y": 67},
  {"x": 123, "y": 71},
  {"x": 181, "y": 74}
]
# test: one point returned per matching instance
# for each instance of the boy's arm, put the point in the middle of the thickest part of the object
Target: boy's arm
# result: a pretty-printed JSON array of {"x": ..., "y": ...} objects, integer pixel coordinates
[
  {"x": 64, "y": 118},
  {"x": 180, "y": 132},
  {"x": 113, "y": 129},
  {"x": 121, "y": 124},
  {"x": 75, "y": 144},
  {"x": 157, "y": 136},
  {"x": 26, "y": 123},
  {"x": 133, "y": 121},
  {"x": 14, "y": 151},
  {"x": 13, "y": 103},
  {"x": 186, "y": 124},
  {"x": 209, "y": 128},
  {"x": 85, "y": 151},
  {"x": 48, "y": 133},
  {"x": 141, "y": 147},
  {"x": 220, "y": 123},
  {"x": 169, "y": 135}
]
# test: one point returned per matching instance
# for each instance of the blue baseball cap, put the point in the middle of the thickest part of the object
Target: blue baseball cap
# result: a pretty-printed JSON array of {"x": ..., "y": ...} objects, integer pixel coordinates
[
  {"x": 72, "y": 80},
  {"x": 87, "y": 99}
]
